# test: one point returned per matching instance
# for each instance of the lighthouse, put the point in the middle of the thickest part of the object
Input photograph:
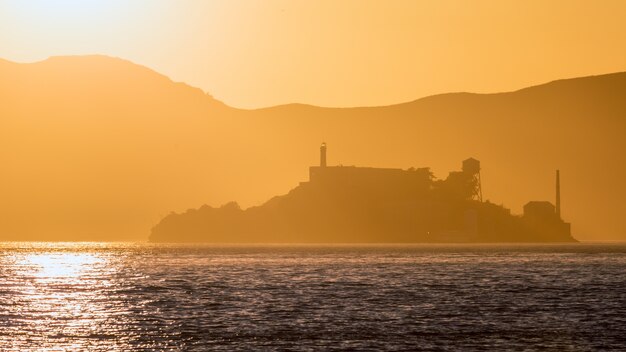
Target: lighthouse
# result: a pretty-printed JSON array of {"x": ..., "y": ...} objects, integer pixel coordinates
[{"x": 323, "y": 155}]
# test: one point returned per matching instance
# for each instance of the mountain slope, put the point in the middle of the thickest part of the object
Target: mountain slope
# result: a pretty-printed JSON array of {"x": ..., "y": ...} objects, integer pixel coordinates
[{"x": 100, "y": 148}]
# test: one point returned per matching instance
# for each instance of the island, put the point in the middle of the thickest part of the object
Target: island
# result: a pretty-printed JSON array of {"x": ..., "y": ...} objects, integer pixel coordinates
[{"x": 348, "y": 204}]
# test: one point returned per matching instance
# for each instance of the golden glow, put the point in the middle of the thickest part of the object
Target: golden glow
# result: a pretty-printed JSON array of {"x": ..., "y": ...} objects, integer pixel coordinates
[
  {"x": 61, "y": 286},
  {"x": 97, "y": 148},
  {"x": 60, "y": 266},
  {"x": 329, "y": 53}
]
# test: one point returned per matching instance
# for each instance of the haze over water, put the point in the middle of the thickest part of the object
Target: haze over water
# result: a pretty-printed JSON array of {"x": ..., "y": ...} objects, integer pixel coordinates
[{"x": 117, "y": 296}]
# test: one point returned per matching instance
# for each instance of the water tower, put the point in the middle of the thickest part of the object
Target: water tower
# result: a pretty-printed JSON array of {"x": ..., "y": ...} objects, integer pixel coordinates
[{"x": 471, "y": 167}]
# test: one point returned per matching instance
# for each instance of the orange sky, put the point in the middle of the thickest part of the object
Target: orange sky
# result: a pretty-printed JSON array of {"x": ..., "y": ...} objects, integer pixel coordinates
[{"x": 330, "y": 53}]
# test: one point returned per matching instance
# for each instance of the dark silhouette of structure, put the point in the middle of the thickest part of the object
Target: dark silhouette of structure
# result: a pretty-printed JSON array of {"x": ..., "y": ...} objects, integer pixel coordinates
[
  {"x": 364, "y": 204},
  {"x": 545, "y": 218},
  {"x": 471, "y": 166},
  {"x": 529, "y": 126},
  {"x": 365, "y": 177},
  {"x": 558, "y": 194}
]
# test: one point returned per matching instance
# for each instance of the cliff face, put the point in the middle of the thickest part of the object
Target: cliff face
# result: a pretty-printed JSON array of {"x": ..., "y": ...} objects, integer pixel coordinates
[{"x": 364, "y": 205}]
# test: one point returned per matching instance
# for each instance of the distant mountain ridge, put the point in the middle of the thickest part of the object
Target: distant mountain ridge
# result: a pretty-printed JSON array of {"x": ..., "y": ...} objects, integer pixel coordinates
[
  {"x": 95, "y": 63},
  {"x": 100, "y": 148}
]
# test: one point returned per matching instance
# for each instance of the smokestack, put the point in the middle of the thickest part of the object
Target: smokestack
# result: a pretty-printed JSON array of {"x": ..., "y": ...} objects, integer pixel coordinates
[
  {"x": 558, "y": 194},
  {"x": 323, "y": 155}
]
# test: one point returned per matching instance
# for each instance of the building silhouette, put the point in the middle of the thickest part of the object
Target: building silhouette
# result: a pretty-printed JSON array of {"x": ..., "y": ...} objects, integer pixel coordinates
[
  {"x": 350, "y": 204},
  {"x": 544, "y": 217}
]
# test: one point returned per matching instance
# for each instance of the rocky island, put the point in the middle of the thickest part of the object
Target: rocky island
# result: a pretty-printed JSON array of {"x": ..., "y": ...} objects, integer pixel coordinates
[{"x": 348, "y": 204}]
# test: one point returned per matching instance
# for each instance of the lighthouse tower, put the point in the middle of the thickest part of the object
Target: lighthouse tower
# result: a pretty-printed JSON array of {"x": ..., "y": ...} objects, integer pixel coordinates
[{"x": 323, "y": 155}]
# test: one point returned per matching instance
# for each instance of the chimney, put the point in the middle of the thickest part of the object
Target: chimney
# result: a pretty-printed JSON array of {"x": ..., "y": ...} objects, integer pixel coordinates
[
  {"x": 323, "y": 155},
  {"x": 558, "y": 195}
]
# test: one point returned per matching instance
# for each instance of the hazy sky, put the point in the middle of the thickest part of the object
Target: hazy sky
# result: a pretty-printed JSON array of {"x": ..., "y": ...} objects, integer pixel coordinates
[{"x": 331, "y": 53}]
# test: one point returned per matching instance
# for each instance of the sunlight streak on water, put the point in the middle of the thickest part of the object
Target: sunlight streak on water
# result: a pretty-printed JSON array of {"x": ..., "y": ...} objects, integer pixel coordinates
[
  {"x": 104, "y": 297},
  {"x": 58, "y": 266},
  {"x": 57, "y": 294}
]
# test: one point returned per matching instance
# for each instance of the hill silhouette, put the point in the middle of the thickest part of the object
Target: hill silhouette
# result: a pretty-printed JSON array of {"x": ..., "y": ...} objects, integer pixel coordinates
[{"x": 98, "y": 148}]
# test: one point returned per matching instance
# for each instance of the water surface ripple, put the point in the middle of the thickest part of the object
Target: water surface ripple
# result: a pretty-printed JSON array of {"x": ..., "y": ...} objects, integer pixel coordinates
[{"x": 103, "y": 297}]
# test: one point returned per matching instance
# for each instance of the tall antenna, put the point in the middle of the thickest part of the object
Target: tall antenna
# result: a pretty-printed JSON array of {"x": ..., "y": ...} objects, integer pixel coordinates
[{"x": 558, "y": 194}]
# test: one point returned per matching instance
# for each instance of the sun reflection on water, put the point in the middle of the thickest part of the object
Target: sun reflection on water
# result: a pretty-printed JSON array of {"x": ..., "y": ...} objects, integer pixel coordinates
[
  {"x": 58, "y": 291},
  {"x": 58, "y": 266}
]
